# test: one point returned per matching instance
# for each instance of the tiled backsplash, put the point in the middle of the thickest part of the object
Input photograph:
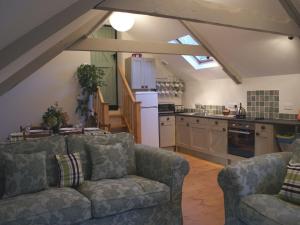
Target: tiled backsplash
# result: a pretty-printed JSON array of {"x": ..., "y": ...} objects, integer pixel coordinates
[
  {"x": 263, "y": 103},
  {"x": 260, "y": 104},
  {"x": 211, "y": 109},
  {"x": 287, "y": 116}
]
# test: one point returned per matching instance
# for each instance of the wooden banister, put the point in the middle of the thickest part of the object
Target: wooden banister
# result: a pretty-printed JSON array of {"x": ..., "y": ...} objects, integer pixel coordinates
[
  {"x": 101, "y": 109},
  {"x": 130, "y": 109},
  {"x": 126, "y": 85}
]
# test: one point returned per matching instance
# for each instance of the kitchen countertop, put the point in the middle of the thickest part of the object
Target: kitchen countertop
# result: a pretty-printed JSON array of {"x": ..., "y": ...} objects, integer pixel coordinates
[{"x": 253, "y": 120}]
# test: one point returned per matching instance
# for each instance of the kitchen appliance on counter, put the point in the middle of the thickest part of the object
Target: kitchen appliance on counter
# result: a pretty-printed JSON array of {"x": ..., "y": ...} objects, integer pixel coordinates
[
  {"x": 241, "y": 139},
  {"x": 166, "y": 108},
  {"x": 149, "y": 117},
  {"x": 179, "y": 108},
  {"x": 240, "y": 112}
]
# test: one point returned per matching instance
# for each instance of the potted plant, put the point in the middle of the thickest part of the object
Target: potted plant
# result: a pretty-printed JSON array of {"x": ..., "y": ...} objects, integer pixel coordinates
[
  {"x": 90, "y": 78},
  {"x": 54, "y": 118}
]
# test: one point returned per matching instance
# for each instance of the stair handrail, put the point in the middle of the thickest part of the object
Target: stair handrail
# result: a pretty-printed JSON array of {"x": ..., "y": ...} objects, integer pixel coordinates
[
  {"x": 101, "y": 110},
  {"x": 130, "y": 108}
]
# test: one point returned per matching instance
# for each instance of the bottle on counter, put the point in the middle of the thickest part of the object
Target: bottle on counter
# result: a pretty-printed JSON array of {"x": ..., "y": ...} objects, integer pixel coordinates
[
  {"x": 236, "y": 110},
  {"x": 298, "y": 117}
]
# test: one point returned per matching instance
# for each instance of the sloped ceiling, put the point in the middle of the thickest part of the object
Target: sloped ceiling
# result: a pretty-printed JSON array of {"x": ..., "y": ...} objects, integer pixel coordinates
[
  {"x": 252, "y": 53},
  {"x": 22, "y": 16}
]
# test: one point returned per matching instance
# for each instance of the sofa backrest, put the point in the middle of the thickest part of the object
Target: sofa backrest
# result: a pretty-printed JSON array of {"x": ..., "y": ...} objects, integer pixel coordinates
[
  {"x": 52, "y": 145},
  {"x": 78, "y": 143}
]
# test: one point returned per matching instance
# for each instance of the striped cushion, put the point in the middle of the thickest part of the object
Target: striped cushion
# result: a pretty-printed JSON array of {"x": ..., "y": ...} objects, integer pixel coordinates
[
  {"x": 70, "y": 170},
  {"x": 290, "y": 190}
]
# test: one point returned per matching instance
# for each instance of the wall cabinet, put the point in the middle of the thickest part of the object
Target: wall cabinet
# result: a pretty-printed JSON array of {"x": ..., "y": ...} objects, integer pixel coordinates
[{"x": 140, "y": 73}]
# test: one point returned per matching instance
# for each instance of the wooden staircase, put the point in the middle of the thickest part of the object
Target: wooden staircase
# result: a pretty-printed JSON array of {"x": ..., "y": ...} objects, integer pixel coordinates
[
  {"x": 126, "y": 119},
  {"x": 117, "y": 123}
]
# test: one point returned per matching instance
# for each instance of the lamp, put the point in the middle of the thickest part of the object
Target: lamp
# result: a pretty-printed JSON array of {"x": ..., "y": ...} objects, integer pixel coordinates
[{"x": 121, "y": 21}]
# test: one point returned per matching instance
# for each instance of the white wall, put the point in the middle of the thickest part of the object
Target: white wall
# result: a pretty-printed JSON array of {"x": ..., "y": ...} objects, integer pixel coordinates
[
  {"x": 55, "y": 81},
  {"x": 226, "y": 92}
]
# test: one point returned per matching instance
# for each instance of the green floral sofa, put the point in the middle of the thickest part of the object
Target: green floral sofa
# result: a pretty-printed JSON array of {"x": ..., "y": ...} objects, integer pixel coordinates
[
  {"x": 251, "y": 190},
  {"x": 149, "y": 195}
]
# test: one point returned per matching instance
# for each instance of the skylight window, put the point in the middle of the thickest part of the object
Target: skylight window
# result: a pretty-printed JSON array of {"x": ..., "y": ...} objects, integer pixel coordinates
[{"x": 197, "y": 62}]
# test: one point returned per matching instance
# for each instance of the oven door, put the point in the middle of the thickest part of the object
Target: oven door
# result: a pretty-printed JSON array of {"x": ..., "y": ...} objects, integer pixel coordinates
[{"x": 241, "y": 142}]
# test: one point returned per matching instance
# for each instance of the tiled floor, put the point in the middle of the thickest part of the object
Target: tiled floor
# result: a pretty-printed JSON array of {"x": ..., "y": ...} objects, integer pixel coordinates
[{"x": 202, "y": 196}]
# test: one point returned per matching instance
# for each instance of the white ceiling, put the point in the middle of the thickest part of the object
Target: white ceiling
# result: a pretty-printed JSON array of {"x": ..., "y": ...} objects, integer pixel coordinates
[
  {"x": 251, "y": 53},
  {"x": 19, "y": 17}
]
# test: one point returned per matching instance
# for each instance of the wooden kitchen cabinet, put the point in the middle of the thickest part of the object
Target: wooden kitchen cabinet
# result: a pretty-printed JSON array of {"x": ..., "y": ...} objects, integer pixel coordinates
[
  {"x": 264, "y": 139},
  {"x": 166, "y": 131},
  {"x": 219, "y": 137},
  {"x": 140, "y": 73},
  {"x": 200, "y": 136},
  {"x": 183, "y": 132}
]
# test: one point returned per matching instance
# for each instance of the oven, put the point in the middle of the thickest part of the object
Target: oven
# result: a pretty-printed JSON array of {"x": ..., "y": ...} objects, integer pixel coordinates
[{"x": 241, "y": 139}]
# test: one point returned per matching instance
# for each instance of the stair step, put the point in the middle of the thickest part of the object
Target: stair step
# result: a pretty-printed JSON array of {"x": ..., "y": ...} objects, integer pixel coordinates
[
  {"x": 118, "y": 129},
  {"x": 115, "y": 113}
]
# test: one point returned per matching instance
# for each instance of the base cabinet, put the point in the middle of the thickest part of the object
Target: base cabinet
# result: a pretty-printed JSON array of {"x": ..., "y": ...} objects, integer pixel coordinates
[
  {"x": 200, "y": 139},
  {"x": 264, "y": 139},
  {"x": 219, "y": 140},
  {"x": 203, "y": 135},
  {"x": 183, "y": 134}
]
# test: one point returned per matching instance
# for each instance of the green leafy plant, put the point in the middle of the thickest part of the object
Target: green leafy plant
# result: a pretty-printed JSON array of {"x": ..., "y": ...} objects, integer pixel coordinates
[
  {"x": 90, "y": 77},
  {"x": 54, "y": 117}
]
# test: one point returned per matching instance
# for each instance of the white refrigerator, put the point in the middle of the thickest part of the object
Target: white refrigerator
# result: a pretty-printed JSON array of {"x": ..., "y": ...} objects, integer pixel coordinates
[{"x": 149, "y": 117}]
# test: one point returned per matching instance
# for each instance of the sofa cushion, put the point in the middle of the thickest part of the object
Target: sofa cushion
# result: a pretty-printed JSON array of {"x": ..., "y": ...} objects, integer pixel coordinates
[
  {"x": 108, "y": 161},
  {"x": 260, "y": 209},
  {"x": 113, "y": 196},
  {"x": 290, "y": 190},
  {"x": 51, "y": 145},
  {"x": 25, "y": 173},
  {"x": 55, "y": 206},
  {"x": 70, "y": 170},
  {"x": 77, "y": 143}
]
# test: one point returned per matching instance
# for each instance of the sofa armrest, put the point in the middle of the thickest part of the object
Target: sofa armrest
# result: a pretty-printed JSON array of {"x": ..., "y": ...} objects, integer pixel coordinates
[
  {"x": 163, "y": 166},
  {"x": 259, "y": 175}
]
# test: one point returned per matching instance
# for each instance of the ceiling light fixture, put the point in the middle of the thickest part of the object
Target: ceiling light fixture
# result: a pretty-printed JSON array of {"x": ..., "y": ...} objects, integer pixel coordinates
[{"x": 121, "y": 21}]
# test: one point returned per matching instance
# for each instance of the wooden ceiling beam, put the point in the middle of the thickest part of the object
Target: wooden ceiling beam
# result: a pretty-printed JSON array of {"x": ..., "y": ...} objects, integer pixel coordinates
[
  {"x": 51, "y": 52},
  {"x": 231, "y": 72},
  {"x": 131, "y": 46},
  {"x": 290, "y": 8},
  {"x": 206, "y": 12},
  {"x": 29, "y": 40}
]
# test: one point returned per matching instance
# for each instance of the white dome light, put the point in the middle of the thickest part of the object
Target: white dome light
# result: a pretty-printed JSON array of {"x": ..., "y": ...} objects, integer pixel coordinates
[{"x": 121, "y": 21}]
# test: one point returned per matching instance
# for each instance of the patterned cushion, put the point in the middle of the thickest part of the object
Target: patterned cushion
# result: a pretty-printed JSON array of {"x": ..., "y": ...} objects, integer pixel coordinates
[
  {"x": 54, "y": 206},
  {"x": 110, "y": 197},
  {"x": 25, "y": 173},
  {"x": 70, "y": 170},
  {"x": 290, "y": 190},
  {"x": 108, "y": 161},
  {"x": 77, "y": 143},
  {"x": 51, "y": 145},
  {"x": 262, "y": 209}
]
